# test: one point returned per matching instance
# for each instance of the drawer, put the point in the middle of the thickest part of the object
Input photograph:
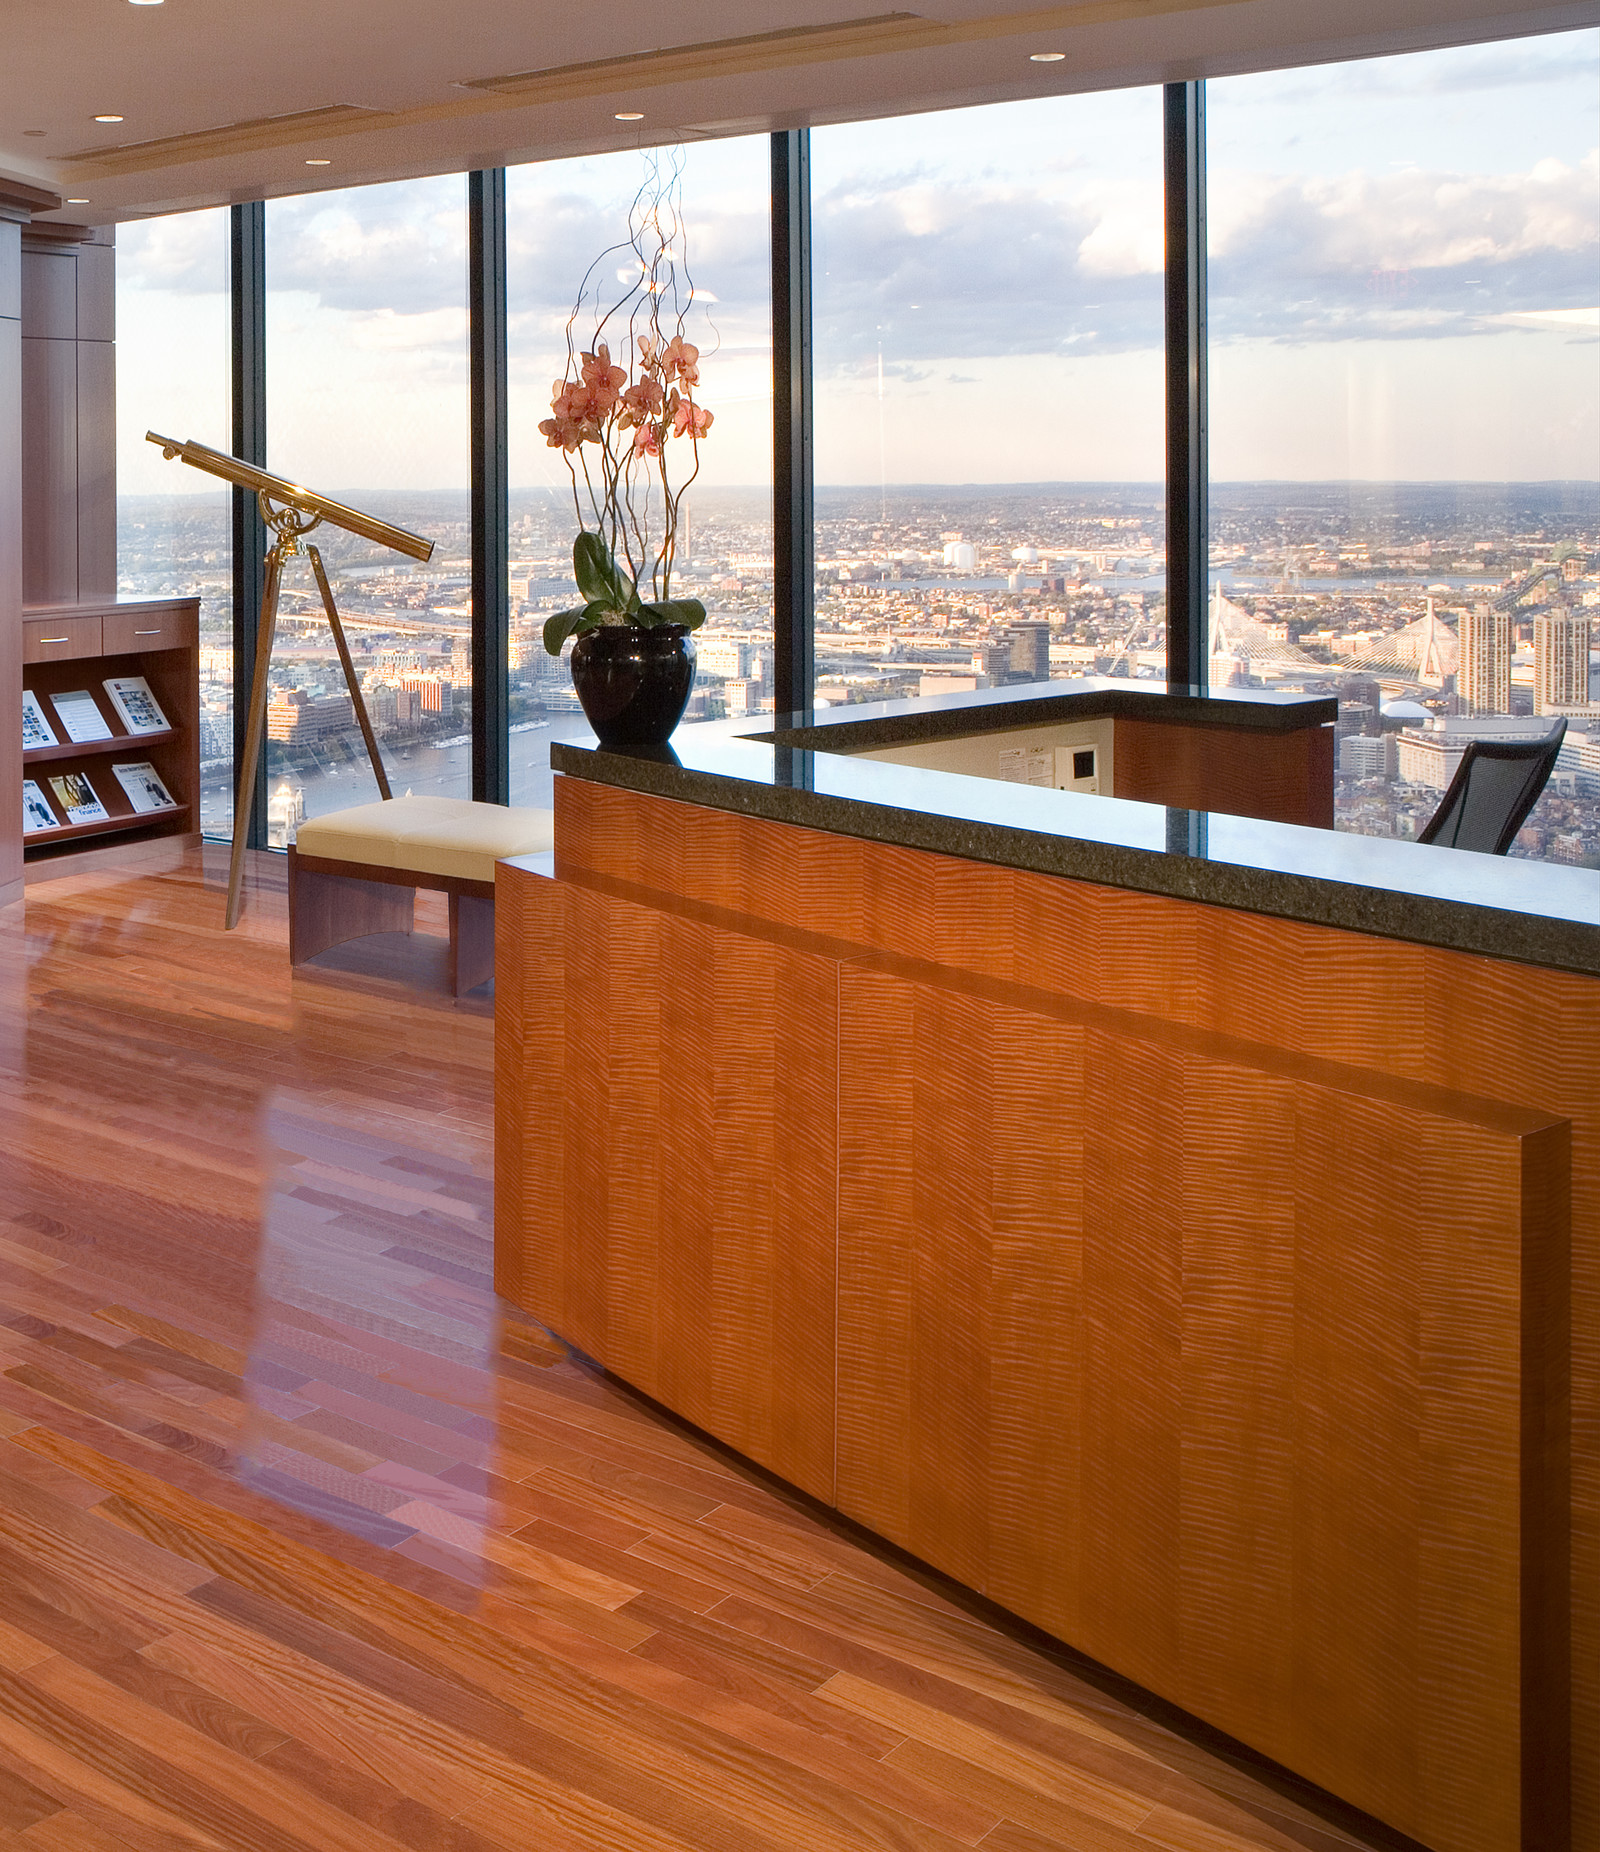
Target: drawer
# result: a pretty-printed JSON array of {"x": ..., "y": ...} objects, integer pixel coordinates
[
  {"x": 126, "y": 631},
  {"x": 59, "y": 639}
]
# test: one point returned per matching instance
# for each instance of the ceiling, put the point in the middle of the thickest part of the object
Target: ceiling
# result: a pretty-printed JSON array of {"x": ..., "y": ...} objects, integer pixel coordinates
[{"x": 220, "y": 104}]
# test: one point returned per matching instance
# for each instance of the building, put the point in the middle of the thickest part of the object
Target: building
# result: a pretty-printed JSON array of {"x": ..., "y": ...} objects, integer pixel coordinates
[
  {"x": 435, "y": 693},
  {"x": 731, "y": 658},
  {"x": 295, "y": 718},
  {"x": 1430, "y": 754},
  {"x": 1369, "y": 755},
  {"x": 286, "y": 811},
  {"x": 1030, "y": 651},
  {"x": 1483, "y": 681},
  {"x": 1560, "y": 662}
]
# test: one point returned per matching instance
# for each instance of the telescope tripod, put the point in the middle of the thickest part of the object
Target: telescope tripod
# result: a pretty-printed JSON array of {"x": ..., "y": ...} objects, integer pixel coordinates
[{"x": 290, "y": 525}]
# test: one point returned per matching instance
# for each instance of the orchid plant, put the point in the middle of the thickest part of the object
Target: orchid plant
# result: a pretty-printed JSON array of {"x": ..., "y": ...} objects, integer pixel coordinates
[{"x": 622, "y": 424}]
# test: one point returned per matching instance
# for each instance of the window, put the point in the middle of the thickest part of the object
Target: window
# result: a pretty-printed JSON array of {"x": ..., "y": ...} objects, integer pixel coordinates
[
  {"x": 1405, "y": 411},
  {"x": 367, "y": 400},
  {"x": 174, "y": 533},
  {"x": 560, "y": 217},
  {"x": 989, "y": 395}
]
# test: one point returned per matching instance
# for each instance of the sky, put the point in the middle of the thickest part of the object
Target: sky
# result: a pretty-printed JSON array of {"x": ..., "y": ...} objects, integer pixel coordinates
[{"x": 1405, "y": 267}]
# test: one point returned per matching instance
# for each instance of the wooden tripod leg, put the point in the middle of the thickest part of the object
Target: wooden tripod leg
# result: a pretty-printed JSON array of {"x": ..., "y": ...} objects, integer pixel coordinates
[
  {"x": 244, "y": 801},
  {"x": 357, "y": 702}
]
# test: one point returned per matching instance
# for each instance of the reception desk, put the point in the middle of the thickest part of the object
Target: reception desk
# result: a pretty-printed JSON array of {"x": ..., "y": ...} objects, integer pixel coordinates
[{"x": 1161, "y": 1222}]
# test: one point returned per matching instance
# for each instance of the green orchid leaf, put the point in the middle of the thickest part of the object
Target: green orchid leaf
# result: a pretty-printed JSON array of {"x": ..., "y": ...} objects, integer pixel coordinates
[
  {"x": 686, "y": 611},
  {"x": 573, "y": 624},
  {"x": 558, "y": 628},
  {"x": 597, "y": 574}
]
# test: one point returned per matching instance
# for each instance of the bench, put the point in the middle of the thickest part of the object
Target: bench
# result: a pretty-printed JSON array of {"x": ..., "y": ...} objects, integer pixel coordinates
[{"x": 356, "y": 872}]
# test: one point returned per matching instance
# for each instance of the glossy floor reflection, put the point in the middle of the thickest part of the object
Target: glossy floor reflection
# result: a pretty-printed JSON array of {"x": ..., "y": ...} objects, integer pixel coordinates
[
  {"x": 371, "y": 1370},
  {"x": 309, "y": 1544}
]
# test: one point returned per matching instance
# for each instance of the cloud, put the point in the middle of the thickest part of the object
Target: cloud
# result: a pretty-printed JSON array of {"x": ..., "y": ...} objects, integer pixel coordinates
[
  {"x": 937, "y": 270},
  {"x": 1405, "y": 255},
  {"x": 400, "y": 249},
  {"x": 187, "y": 253},
  {"x": 1455, "y": 71}
]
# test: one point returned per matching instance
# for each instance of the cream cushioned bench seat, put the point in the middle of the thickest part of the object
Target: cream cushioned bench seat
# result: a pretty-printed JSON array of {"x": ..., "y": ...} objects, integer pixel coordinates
[
  {"x": 356, "y": 872},
  {"x": 428, "y": 835}
]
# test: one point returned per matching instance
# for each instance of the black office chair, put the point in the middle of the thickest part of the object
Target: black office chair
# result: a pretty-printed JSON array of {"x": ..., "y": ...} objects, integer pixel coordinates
[{"x": 1496, "y": 784}]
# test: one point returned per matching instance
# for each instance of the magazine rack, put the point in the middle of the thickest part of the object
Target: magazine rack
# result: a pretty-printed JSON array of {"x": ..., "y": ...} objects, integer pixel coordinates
[
  {"x": 290, "y": 513},
  {"x": 81, "y": 646}
]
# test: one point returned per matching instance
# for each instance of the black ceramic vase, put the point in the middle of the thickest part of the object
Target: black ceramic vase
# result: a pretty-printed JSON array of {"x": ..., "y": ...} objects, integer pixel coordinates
[{"x": 633, "y": 681}]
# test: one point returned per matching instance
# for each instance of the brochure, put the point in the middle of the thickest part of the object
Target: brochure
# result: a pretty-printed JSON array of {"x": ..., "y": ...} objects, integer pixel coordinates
[
  {"x": 36, "y": 811},
  {"x": 140, "y": 710},
  {"x": 36, "y": 729},
  {"x": 79, "y": 713},
  {"x": 75, "y": 795},
  {"x": 144, "y": 787}
]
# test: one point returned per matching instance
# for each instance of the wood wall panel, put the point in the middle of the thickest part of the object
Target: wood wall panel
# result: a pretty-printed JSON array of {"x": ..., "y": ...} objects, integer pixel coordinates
[
  {"x": 97, "y": 469},
  {"x": 1196, "y": 1271},
  {"x": 50, "y": 482},
  {"x": 10, "y": 558},
  {"x": 681, "y": 1234},
  {"x": 1283, "y": 777},
  {"x": 69, "y": 420}
]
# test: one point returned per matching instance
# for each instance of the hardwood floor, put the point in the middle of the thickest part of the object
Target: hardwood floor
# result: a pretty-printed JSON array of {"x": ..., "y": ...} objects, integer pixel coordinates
[{"x": 310, "y": 1544}]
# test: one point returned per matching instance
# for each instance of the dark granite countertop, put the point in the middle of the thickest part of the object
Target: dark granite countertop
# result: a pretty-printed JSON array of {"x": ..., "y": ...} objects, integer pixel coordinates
[{"x": 800, "y": 771}]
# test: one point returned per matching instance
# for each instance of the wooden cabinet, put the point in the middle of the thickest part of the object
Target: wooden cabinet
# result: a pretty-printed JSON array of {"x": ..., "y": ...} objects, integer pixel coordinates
[
  {"x": 59, "y": 639},
  {"x": 72, "y": 648}
]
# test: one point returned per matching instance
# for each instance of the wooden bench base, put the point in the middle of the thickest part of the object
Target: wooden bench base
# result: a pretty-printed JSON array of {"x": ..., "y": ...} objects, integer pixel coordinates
[{"x": 331, "y": 902}]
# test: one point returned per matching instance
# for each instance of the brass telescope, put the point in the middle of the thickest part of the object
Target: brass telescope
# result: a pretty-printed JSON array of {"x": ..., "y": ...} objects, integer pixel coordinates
[
  {"x": 292, "y": 495},
  {"x": 291, "y": 512}
]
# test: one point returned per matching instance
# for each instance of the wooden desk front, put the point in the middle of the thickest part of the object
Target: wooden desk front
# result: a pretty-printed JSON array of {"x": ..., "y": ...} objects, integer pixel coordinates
[{"x": 1194, "y": 1284}]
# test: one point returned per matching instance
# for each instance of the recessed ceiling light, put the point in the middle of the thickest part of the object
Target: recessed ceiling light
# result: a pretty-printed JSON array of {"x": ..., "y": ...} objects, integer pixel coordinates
[
  {"x": 1045, "y": 57},
  {"x": 630, "y": 115},
  {"x": 82, "y": 202},
  {"x": 108, "y": 118},
  {"x": 144, "y": 2},
  {"x": 317, "y": 163}
]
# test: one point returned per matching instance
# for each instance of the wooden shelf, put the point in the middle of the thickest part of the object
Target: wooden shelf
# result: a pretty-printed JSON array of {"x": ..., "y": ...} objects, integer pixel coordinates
[
  {"x": 82, "y": 647},
  {"x": 76, "y": 749},
  {"x": 108, "y": 827}
]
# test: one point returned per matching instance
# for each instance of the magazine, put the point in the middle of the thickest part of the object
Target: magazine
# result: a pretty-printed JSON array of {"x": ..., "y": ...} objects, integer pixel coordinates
[
  {"x": 140, "y": 710},
  {"x": 75, "y": 795},
  {"x": 79, "y": 713},
  {"x": 36, "y": 811},
  {"x": 36, "y": 729},
  {"x": 144, "y": 787}
]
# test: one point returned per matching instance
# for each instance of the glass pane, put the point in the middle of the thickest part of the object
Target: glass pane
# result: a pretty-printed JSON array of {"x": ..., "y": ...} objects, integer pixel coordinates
[
  {"x": 367, "y": 400},
  {"x": 1405, "y": 412},
  {"x": 174, "y": 524},
  {"x": 989, "y": 397},
  {"x": 560, "y": 217}
]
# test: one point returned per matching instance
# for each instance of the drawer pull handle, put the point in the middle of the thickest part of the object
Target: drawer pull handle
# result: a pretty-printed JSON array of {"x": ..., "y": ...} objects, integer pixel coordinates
[
  {"x": 55, "y": 639},
  {"x": 147, "y": 633}
]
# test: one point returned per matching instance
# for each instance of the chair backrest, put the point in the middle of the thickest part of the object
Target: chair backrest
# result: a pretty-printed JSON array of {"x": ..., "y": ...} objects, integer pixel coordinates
[{"x": 1496, "y": 784}]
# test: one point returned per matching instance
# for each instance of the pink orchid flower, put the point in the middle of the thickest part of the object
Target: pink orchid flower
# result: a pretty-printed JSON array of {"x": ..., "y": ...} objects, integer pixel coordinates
[
  {"x": 680, "y": 359},
  {"x": 642, "y": 401},
  {"x": 687, "y": 416},
  {"x": 647, "y": 440}
]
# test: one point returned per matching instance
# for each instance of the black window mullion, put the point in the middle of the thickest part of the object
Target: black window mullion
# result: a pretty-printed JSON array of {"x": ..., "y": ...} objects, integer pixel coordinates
[
  {"x": 793, "y": 501},
  {"x": 1188, "y": 540},
  {"x": 491, "y": 516},
  {"x": 247, "y": 298}
]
